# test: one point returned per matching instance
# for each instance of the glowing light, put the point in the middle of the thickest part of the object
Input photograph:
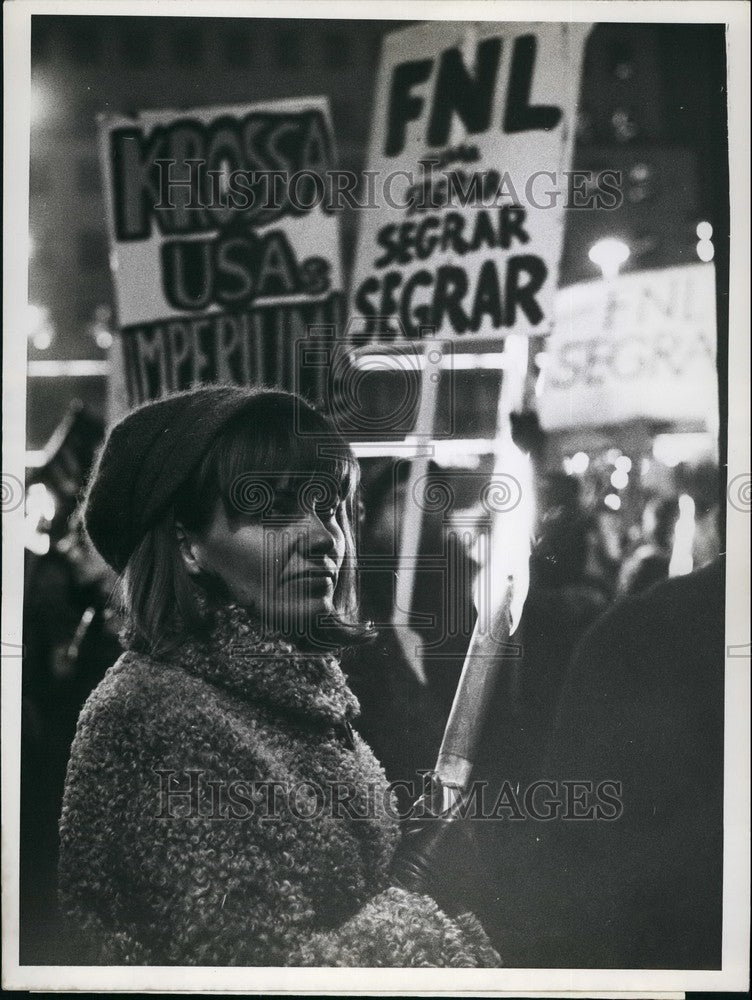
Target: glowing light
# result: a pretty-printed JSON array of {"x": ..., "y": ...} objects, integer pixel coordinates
[
  {"x": 619, "y": 479},
  {"x": 704, "y": 231},
  {"x": 40, "y": 503},
  {"x": 42, "y": 340},
  {"x": 103, "y": 339},
  {"x": 671, "y": 449},
  {"x": 612, "y": 501},
  {"x": 613, "y": 455},
  {"x": 38, "y": 326},
  {"x": 705, "y": 250},
  {"x": 682, "y": 561},
  {"x": 579, "y": 463},
  {"x": 40, "y": 508},
  {"x": 36, "y": 316},
  {"x": 623, "y": 463},
  {"x": 37, "y": 543},
  {"x": 609, "y": 255},
  {"x": 100, "y": 329},
  {"x": 624, "y": 126}
]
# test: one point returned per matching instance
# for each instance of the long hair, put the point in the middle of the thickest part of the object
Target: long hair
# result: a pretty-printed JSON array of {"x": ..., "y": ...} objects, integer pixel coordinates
[{"x": 277, "y": 439}]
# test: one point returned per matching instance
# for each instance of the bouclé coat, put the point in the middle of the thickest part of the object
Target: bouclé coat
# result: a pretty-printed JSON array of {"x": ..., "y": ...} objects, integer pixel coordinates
[{"x": 177, "y": 846}]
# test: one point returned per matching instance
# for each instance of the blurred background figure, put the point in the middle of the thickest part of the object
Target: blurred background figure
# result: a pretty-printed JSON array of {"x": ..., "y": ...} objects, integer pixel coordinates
[
  {"x": 700, "y": 482},
  {"x": 402, "y": 718},
  {"x": 564, "y": 597},
  {"x": 649, "y": 563},
  {"x": 70, "y": 639},
  {"x": 562, "y": 603},
  {"x": 605, "y": 549}
]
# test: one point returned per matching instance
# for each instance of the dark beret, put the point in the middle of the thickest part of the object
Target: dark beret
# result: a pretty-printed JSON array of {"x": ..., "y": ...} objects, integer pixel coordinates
[{"x": 147, "y": 456}]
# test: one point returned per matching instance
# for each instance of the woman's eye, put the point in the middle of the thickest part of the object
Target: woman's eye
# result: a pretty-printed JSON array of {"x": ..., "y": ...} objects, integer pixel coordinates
[{"x": 294, "y": 506}]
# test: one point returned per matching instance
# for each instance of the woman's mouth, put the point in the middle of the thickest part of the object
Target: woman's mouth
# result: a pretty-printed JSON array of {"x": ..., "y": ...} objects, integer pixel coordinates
[{"x": 315, "y": 580}]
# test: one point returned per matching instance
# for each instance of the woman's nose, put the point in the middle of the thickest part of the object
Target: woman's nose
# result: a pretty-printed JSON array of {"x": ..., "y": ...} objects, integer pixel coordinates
[{"x": 319, "y": 538}]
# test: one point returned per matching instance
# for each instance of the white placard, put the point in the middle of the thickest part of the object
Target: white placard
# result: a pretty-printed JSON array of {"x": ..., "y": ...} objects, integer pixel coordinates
[
  {"x": 640, "y": 347},
  {"x": 470, "y": 147},
  {"x": 224, "y": 249}
]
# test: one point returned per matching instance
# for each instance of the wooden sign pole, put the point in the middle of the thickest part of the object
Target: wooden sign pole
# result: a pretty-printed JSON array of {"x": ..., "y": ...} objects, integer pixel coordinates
[
  {"x": 412, "y": 513},
  {"x": 502, "y": 591}
]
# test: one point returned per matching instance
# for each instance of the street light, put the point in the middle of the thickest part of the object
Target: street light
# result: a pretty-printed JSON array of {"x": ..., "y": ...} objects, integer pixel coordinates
[
  {"x": 705, "y": 249},
  {"x": 609, "y": 255}
]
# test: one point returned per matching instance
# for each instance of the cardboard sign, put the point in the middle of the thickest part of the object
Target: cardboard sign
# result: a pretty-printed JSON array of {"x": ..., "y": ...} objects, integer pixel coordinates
[
  {"x": 223, "y": 254},
  {"x": 471, "y": 142},
  {"x": 641, "y": 347}
]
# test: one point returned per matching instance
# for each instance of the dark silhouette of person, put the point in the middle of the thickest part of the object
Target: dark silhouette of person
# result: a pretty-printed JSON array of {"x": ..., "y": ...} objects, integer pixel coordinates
[
  {"x": 70, "y": 639},
  {"x": 649, "y": 563},
  {"x": 401, "y": 718},
  {"x": 637, "y": 885}
]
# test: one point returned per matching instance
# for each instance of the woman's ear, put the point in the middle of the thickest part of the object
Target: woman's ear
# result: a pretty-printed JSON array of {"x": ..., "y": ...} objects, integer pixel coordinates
[{"x": 188, "y": 548}]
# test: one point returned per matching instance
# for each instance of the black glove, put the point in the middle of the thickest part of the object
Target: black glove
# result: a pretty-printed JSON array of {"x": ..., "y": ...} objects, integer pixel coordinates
[{"x": 437, "y": 855}]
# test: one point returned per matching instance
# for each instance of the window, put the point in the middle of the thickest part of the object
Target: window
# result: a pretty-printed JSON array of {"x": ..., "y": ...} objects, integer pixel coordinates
[
  {"x": 620, "y": 60},
  {"x": 624, "y": 125}
]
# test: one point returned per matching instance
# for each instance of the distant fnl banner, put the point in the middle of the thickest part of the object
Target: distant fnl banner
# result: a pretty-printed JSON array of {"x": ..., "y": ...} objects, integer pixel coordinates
[{"x": 639, "y": 347}]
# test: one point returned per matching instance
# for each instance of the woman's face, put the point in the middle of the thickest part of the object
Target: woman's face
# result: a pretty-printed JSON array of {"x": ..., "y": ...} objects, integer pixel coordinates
[{"x": 285, "y": 566}]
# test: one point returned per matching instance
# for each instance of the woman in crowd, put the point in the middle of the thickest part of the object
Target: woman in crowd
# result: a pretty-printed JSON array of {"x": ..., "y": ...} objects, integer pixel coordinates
[{"x": 219, "y": 807}]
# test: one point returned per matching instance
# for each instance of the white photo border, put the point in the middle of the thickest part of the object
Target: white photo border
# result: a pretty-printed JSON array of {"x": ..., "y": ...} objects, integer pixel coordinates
[{"x": 734, "y": 974}]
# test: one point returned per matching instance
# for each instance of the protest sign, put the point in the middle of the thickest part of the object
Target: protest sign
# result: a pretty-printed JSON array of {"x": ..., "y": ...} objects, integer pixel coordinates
[
  {"x": 470, "y": 148},
  {"x": 640, "y": 347},
  {"x": 224, "y": 253}
]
